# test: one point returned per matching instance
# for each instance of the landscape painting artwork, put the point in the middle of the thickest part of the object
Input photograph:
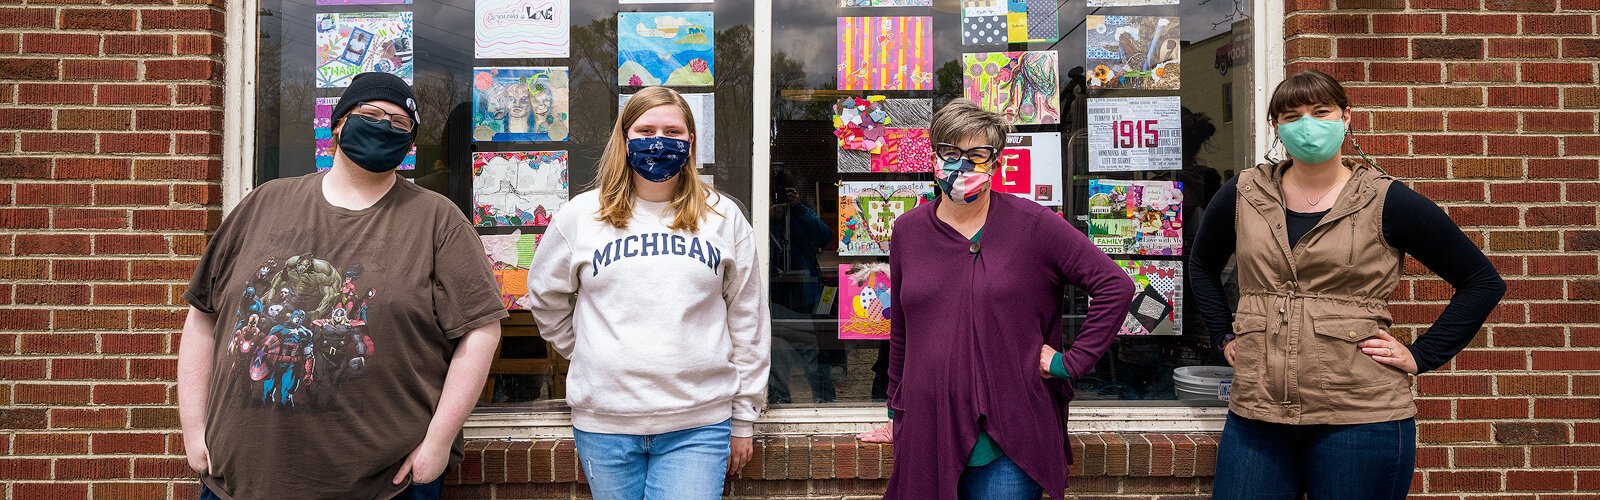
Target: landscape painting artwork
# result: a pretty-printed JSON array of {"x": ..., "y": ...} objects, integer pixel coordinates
[
  {"x": 1157, "y": 299},
  {"x": 1133, "y": 52},
  {"x": 867, "y": 211},
  {"x": 864, "y": 301},
  {"x": 1023, "y": 87},
  {"x": 1136, "y": 217},
  {"x": 665, "y": 48},
  {"x": 351, "y": 43},
  {"x": 519, "y": 105},
  {"x": 510, "y": 256},
  {"x": 885, "y": 53},
  {"x": 521, "y": 28},
  {"x": 521, "y": 188}
]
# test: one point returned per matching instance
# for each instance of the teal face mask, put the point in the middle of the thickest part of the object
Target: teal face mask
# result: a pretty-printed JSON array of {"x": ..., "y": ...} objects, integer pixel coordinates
[{"x": 1311, "y": 140}]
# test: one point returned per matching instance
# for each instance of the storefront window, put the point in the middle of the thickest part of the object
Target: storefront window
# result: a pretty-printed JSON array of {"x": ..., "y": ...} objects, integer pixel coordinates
[{"x": 1114, "y": 107}]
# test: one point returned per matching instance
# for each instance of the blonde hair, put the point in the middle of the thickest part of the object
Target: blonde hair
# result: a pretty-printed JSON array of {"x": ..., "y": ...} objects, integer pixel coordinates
[
  {"x": 690, "y": 199},
  {"x": 961, "y": 119}
]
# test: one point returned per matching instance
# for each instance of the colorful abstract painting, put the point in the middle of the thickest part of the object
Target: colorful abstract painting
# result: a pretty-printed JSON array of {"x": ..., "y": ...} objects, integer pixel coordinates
[
  {"x": 521, "y": 28},
  {"x": 1023, "y": 87},
  {"x": 519, "y": 105},
  {"x": 1135, "y": 133},
  {"x": 1132, "y": 52},
  {"x": 665, "y": 48},
  {"x": 704, "y": 107},
  {"x": 523, "y": 188},
  {"x": 905, "y": 150},
  {"x": 1032, "y": 168},
  {"x": 1157, "y": 299},
  {"x": 885, "y": 3},
  {"x": 864, "y": 301},
  {"x": 352, "y": 43},
  {"x": 867, "y": 211},
  {"x": 1136, "y": 217},
  {"x": 864, "y": 126},
  {"x": 885, "y": 53},
  {"x": 510, "y": 256},
  {"x": 322, "y": 134}
]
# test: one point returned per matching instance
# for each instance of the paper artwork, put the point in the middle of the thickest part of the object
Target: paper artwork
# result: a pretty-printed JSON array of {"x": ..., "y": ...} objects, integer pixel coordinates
[
  {"x": 352, "y": 43},
  {"x": 1136, "y": 217},
  {"x": 665, "y": 48},
  {"x": 885, "y": 53},
  {"x": 362, "y": 2},
  {"x": 705, "y": 124},
  {"x": 518, "y": 188},
  {"x": 510, "y": 256},
  {"x": 885, "y": 3},
  {"x": 1023, "y": 87},
  {"x": 867, "y": 211},
  {"x": 322, "y": 134},
  {"x": 1157, "y": 299},
  {"x": 877, "y": 134},
  {"x": 1032, "y": 168},
  {"x": 519, "y": 104},
  {"x": 1132, "y": 52},
  {"x": 662, "y": 1},
  {"x": 521, "y": 28},
  {"x": 1135, "y": 133},
  {"x": 998, "y": 22},
  {"x": 864, "y": 301},
  {"x": 1130, "y": 3}
]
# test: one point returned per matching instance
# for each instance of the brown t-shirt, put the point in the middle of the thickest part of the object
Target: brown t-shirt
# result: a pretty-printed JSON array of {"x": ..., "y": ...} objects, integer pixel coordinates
[{"x": 334, "y": 332}]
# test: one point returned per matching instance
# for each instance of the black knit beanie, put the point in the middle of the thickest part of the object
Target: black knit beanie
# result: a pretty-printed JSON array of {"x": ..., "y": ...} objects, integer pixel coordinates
[{"x": 375, "y": 86}]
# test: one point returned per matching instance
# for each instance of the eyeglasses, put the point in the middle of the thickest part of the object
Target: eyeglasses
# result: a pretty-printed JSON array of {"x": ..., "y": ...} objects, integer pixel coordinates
[
  {"x": 397, "y": 121},
  {"x": 979, "y": 156}
]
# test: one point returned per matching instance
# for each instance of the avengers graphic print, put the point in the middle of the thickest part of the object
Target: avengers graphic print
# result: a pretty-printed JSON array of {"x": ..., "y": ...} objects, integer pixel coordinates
[{"x": 299, "y": 332}]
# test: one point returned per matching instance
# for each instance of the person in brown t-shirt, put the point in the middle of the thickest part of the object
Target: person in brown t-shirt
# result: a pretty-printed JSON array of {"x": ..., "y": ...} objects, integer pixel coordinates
[{"x": 341, "y": 325}]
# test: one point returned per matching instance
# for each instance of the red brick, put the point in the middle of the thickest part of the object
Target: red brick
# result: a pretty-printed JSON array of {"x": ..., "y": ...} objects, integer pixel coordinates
[
  {"x": 200, "y": 194},
  {"x": 1581, "y": 97},
  {"x": 204, "y": 94},
  {"x": 164, "y": 269},
  {"x": 27, "y": 18},
  {"x": 50, "y": 490},
  {"x": 1488, "y": 24},
  {"x": 1486, "y": 168},
  {"x": 91, "y": 319},
  {"x": 55, "y": 93},
  {"x": 1561, "y": 216},
  {"x": 141, "y": 44},
  {"x": 168, "y": 119},
  {"x": 92, "y": 468},
  {"x": 24, "y": 168},
  {"x": 1587, "y": 191},
  {"x": 1486, "y": 121},
  {"x": 1482, "y": 72},
  {"x": 189, "y": 45},
  {"x": 126, "y": 244},
  {"x": 123, "y": 294},
  {"x": 1453, "y": 432},
  {"x": 161, "y": 468},
  {"x": 1405, "y": 72},
  {"x": 1522, "y": 145},
  {"x": 88, "y": 369},
  {"x": 175, "y": 219},
  {"x": 1539, "y": 480},
  {"x": 1525, "y": 192},
  {"x": 1548, "y": 72},
  {"x": 1324, "y": 24},
  {"x": 88, "y": 270},
  {"x": 43, "y": 244},
  {"x": 1521, "y": 5},
  {"x": 1458, "y": 481},
  {"x": 1377, "y": 96},
  {"x": 60, "y": 43},
  {"x": 53, "y": 194},
  {"x": 30, "y": 68},
  {"x": 108, "y": 491},
  {"x": 1564, "y": 24},
  {"x": 99, "y": 69},
  {"x": 84, "y": 418},
  {"x": 1561, "y": 265},
  {"x": 174, "y": 169},
  {"x": 113, "y": 143},
  {"x": 1497, "y": 456},
  {"x": 97, "y": 19},
  {"x": 132, "y": 194},
  {"x": 1454, "y": 385},
  {"x": 88, "y": 218},
  {"x": 1565, "y": 456},
  {"x": 1566, "y": 313},
  {"x": 93, "y": 168},
  {"x": 134, "y": 343},
  {"x": 1447, "y": 48},
  {"x": 24, "y": 269},
  {"x": 129, "y": 443},
  {"x": 1558, "y": 121},
  {"x": 1407, "y": 23},
  {"x": 182, "y": 69},
  {"x": 1447, "y": 144},
  {"x": 1564, "y": 168},
  {"x": 117, "y": 94},
  {"x": 1452, "y": 191},
  {"x": 1367, "y": 48},
  {"x": 1574, "y": 47},
  {"x": 186, "y": 19},
  {"x": 1502, "y": 241},
  {"x": 1524, "y": 48},
  {"x": 60, "y": 142},
  {"x": 1582, "y": 241},
  {"x": 94, "y": 119},
  {"x": 198, "y": 144},
  {"x": 51, "y": 444},
  {"x": 1318, "y": 48},
  {"x": 130, "y": 394},
  {"x": 24, "y": 218}
]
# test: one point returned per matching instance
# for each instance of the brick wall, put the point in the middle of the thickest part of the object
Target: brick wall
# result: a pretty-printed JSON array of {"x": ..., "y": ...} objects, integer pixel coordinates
[
  {"x": 1489, "y": 107},
  {"x": 109, "y": 140}
]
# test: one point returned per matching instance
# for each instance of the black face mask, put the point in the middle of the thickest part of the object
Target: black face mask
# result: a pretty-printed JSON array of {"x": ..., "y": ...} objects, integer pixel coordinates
[{"x": 372, "y": 144}]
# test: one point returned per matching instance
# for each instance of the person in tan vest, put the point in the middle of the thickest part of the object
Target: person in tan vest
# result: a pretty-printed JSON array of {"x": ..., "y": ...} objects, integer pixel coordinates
[{"x": 1321, "y": 397}]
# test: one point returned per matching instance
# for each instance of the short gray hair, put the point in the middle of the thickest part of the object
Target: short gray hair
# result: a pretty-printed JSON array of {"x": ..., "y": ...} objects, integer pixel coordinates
[{"x": 962, "y": 118}]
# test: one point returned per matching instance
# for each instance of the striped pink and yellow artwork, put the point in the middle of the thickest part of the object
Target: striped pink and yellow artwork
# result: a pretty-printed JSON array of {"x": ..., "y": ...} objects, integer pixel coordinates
[{"x": 885, "y": 53}]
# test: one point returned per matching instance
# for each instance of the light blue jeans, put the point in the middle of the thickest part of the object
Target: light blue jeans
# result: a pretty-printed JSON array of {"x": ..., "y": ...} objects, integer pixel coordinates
[{"x": 687, "y": 464}]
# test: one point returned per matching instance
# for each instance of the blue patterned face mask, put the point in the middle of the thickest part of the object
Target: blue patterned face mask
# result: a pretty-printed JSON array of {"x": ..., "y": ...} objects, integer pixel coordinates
[{"x": 658, "y": 159}]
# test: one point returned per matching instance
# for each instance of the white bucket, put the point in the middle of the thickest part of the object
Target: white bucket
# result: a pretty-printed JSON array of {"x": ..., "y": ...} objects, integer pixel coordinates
[{"x": 1200, "y": 382}]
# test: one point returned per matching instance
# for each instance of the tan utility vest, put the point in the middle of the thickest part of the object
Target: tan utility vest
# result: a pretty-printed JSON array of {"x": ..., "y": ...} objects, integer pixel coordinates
[{"x": 1303, "y": 309}]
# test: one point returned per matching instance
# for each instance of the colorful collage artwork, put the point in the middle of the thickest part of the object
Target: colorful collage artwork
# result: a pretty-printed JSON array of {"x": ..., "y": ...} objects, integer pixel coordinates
[
  {"x": 1136, "y": 217},
  {"x": 867, "y": 211},
  {"x": 885, "y": 3},
  {"x": 518, "y": 188},
  {"x": 322, "y": 131},
  {"x": 704, "y": 107},
  {"x": 881, "y": 135},
  {"x": 1128, "y": 3},
  {"x": 351, "y": 43},
  {"x": 1135, "y": 133},
  {"x": 1157, "y": 299},
  {"x": 885, "y": 53},
  {"x": 665, "y": 48},
  {"x": 1032, "y": 168},
  {"x": 510, "y": 256},
  {"x": 864, "y": 301},
  {"x": 1132, "y": 52},
  {"x": 519, "y": 104},
  {"x": 521, "y": 28},
  {"x": 1023, "y": 87},
  {"x": 998, "y": 22},
  {"x": 362, "y": 2}
]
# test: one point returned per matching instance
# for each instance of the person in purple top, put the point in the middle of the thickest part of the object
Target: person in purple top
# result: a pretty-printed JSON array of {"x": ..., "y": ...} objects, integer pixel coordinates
[{"x": 978, "y": 393}]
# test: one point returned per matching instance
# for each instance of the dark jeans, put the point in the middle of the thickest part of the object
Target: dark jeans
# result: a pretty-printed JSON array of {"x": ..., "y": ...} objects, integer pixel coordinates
[
  {"x": 1262, "y": 460},
  {"x": 999, "y": 480},
  {"x": 429, "y": 491}
]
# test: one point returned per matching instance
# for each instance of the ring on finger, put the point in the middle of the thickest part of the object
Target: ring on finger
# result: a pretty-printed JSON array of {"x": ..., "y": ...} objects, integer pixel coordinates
[{"x": 1391, "y": 351}]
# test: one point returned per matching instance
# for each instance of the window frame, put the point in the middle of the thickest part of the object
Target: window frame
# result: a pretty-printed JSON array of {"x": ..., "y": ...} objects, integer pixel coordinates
[{"x": 238, "y": 178}]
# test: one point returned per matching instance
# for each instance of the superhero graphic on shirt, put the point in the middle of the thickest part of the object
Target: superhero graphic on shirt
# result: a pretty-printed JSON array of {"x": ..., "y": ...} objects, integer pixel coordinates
[{"x": 300, "y": 331}]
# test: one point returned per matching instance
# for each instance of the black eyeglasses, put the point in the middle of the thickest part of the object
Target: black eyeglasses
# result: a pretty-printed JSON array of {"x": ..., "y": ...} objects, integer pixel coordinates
[
  {"x": 398, "y": 121},
  {"x": 950, "y": 153}
]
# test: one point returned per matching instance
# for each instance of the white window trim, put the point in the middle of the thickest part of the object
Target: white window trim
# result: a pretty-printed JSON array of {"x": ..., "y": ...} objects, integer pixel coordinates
[{"x": 238, "y": 177}]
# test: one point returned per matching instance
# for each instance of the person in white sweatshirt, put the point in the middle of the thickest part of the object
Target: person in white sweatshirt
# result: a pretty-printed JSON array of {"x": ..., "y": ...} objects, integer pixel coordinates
[{"x": 648, "y": 283}]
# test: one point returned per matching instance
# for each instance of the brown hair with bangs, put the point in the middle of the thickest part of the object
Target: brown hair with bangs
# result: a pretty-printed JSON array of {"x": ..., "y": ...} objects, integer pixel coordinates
[{"x": 1307, "y": 87}]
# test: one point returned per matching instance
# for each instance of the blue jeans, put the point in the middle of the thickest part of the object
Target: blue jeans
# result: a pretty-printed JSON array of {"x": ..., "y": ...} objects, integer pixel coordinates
[
  {"x": 1262, "y": 460},
  {"x": 687, "y": 464},
  {"x": 999, "y": 480},
  {"x": 428, "y": 491}
]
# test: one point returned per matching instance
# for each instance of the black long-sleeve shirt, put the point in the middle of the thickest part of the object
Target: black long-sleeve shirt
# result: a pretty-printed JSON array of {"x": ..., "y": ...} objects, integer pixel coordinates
[{"x": 1411, "y": 223}]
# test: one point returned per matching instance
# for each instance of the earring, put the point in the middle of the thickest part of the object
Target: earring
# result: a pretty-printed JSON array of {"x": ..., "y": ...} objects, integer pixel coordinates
[
  {"x": 1363, "y": 154},
  {"x": 1268, "y": 155}
]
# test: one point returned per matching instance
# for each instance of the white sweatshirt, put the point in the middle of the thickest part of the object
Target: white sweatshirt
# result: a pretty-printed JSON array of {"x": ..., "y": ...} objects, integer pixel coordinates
[{"x": 665, "y": 330}]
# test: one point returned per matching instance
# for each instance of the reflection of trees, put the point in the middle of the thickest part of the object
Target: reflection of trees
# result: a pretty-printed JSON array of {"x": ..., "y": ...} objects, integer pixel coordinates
[
  {"x": 789, "y": 73},
  {"x": 950, "y": 83}
]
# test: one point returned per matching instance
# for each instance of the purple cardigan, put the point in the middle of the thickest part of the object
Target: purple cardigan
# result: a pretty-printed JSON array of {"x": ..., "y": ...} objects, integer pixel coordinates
[{"x": 965, "y": 336}]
